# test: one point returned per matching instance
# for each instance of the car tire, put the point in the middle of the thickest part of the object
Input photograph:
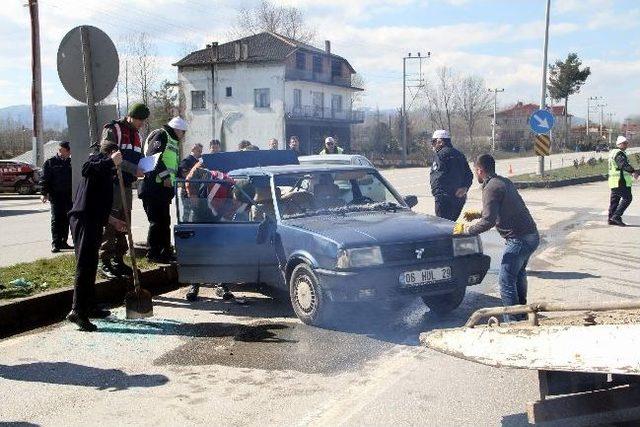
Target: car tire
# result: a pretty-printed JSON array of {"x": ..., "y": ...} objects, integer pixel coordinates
[
  {"x": 308, "y": 301},
  {"x": 24, "y": 188},
  {"x": 444, "y": 304}
]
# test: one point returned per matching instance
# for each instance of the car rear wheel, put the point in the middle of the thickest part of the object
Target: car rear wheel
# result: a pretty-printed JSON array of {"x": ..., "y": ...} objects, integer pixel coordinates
[
  {"x": 307, "y": 299},
  {"x": 445, "y": 303}
]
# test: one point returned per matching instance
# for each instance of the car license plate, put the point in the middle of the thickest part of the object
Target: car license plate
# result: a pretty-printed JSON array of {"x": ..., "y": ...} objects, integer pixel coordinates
[{"x": 425, "y": 277}]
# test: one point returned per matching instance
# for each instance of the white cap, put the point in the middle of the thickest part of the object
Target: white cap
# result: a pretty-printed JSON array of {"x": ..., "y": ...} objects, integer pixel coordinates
[
  {"x": 329, "y": 139},
  {"x": 620, "y": 140},
  {"x": 440, "y": 134},
  {"x": 177, "y": 123}
]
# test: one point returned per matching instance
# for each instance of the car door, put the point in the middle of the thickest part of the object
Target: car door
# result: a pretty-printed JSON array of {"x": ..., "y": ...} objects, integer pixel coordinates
[{"x": 215, "y": 238}]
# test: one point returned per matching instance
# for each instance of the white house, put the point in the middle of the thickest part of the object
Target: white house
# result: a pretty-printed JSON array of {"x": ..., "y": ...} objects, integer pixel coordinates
[{"x": 267, "y": 86}]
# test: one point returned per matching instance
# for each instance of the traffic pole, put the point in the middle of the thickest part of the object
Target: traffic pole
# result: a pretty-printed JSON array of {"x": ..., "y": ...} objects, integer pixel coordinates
[{"x": 543, "y": 92}]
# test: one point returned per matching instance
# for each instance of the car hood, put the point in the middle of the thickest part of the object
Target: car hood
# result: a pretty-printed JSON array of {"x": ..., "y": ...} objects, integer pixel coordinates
[{"x": 365, "y": 228}]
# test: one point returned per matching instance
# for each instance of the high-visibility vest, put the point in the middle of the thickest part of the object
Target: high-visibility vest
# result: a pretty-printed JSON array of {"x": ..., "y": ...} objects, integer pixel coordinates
[
  {"x": 339, "y": 150},
  {"x": 170, "y": 157},
  {"x": 614, "y": 171}
]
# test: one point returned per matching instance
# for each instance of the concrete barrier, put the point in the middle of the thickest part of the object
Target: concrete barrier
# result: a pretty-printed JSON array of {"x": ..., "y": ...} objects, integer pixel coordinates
[
  {"x": 559, "y": 183},
  {"x": 23, "y": 314}
]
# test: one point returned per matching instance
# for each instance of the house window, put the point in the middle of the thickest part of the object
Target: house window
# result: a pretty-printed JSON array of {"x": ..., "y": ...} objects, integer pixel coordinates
[
  {"x": 301, "y": 61},
  {"x": 198, "y": 101},
  {"x": 317, "y": 99},
  {"x": 261, "y": 98},
  {"x": 336, "y": 103},
  {"x": 229, "y": 92},
  {"x": 297, "y": 98},
  {"x": 336, "y": 69},
  {"x": 317, "y": 64}
]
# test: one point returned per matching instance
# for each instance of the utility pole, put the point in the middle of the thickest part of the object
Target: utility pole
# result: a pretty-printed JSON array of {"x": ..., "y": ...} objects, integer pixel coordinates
[
  {"x": 543, "y": 92},
  {"x": 591, "y": 98},
  {"x": 403, "y": 132},
  {"x": 36, "y": 85},
  {"x": 610, "y": 115},
  {"x": 601, "y": 106},
  {"x": 493, "y": 124}
]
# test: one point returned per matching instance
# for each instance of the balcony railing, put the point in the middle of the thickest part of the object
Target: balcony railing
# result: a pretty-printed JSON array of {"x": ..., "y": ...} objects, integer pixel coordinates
[
  {"x": 310, "y": 112},
  {"x": 325, "y": 77}
]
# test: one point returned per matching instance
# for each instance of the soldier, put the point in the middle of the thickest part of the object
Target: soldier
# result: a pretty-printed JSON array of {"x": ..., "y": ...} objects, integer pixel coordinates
[
  {"x": 156, "y": 190},
  {"x": 90, "y": 213},
  {"x": 124, "y": 133},
  {"x": 56, "y": 188},
  {"x": 450, "y": 177}
]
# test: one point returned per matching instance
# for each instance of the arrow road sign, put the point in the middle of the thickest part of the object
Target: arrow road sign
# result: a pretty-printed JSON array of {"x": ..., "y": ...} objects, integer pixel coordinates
[
  {"x": 541, "y": 121},
  {"x": 542, "y": 145}
]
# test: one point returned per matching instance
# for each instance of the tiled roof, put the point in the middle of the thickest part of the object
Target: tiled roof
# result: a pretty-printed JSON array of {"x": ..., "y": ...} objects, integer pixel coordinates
[
  {"x": 262, "y": 47},
  {"x": 521, "y": 109}
]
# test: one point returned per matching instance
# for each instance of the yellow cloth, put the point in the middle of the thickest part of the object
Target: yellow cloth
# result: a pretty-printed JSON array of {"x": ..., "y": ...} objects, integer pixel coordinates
[
  {"x": 459, "y": 228},
  {"x": 470, "y": 215}
]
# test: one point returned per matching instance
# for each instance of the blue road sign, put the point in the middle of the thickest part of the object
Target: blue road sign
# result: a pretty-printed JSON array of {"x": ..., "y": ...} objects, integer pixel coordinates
[{"x": 541, "y": 121}]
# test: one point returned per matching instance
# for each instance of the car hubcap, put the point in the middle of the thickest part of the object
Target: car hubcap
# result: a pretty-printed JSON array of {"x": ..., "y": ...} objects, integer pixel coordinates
[{"x": 305, "y": 295}]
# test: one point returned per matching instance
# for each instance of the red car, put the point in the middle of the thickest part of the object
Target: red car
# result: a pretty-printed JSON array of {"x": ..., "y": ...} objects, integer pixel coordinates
[{"x": 18, "y": 177}]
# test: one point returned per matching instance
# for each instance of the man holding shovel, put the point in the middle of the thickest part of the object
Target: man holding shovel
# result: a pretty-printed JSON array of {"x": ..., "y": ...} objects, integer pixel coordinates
[{"x": 90, "y": 213}]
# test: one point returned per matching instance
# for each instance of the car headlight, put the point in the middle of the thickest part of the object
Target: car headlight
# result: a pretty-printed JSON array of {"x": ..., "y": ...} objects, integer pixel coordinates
[
  {"x": 359, "y": 257},
  {"x": 467, "y": 246}
]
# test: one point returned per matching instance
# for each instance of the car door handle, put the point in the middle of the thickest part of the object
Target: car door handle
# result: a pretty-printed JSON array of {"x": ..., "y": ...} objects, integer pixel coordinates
[{"x": 185, "y": 234}]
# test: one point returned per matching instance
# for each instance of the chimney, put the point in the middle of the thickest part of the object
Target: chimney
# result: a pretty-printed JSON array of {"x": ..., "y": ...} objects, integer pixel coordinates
[
  {"x": 327, "y": 47},
  {"x": 214, "y": 47}
]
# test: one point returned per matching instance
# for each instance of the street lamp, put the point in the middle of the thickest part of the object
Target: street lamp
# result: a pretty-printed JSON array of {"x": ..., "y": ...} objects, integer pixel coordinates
[{"x": 493, "y": 124}]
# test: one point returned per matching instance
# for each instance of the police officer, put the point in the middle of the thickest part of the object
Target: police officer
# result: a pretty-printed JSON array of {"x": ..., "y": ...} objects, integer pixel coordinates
[
  {"x": 620, "y": 173},
  {"x": 88, "y": 216},
  {"x": 451, "y": 177},
  {"x": 56, "y": 188},
  {"x": 156, "y": 190},
  {"x": 124, "y": 133}
]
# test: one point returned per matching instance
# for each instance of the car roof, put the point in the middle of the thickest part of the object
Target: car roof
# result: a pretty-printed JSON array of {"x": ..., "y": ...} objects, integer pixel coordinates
[
  {"x": 323, "y": 157},
  {"x": 292, "y": 169}
]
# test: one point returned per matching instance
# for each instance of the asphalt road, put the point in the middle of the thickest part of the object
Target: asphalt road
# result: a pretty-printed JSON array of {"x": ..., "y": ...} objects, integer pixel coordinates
[{"x": 220, "y": 363}]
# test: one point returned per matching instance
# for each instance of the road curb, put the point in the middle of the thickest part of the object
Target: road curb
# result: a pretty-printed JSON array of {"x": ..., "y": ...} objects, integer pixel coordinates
[
  {"x": 23, "y": 314},
  {"x": 559, "y": 183}
]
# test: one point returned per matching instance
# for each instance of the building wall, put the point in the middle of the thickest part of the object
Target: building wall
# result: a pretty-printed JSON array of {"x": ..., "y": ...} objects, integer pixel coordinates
[
  {"x": 234, "y": 118},
  {"x": 307, "y": 88}
]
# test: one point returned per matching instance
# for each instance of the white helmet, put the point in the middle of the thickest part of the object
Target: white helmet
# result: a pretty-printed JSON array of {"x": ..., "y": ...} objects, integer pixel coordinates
[
  {"x": 178, "y": 123},
  {"x": 620, "y": 140},
  {"x": 440, "y": 134}
]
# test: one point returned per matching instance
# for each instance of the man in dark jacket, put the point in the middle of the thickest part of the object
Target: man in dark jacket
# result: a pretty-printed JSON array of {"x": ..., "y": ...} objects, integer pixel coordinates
[
  {"x": 56, "y": 188},
  {"x": 156, "y": 190},
  {"x": 124, "y": 133},
  {"x": 90, "y": 213},
  {"x": 503, "y": 208},
  {"x": 451, "y": 177}
]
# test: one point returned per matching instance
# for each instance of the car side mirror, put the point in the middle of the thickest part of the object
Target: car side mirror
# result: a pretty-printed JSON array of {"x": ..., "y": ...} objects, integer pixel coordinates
[
  {"x": 411, "y": 201},
  {"x": 265, "y": 230}
]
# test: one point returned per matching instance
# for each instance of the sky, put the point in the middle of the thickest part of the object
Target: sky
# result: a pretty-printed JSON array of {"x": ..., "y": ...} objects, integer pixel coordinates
[{"x": 500, "y": 41}]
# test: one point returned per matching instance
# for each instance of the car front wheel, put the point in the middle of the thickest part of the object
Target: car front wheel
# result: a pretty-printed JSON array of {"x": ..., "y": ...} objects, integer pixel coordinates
[
  {"x": 444, "y": 304},
  {"x": 23, "y": 188},
  {"x": 309, "y": 303}
]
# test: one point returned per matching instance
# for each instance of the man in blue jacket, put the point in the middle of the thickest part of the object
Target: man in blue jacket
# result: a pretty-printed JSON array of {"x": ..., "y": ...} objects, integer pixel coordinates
[{"x": 451, "y": 177}]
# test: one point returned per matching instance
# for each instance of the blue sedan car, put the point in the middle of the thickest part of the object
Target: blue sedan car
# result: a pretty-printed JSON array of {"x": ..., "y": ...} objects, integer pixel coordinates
[{"x": 260, "y": 217}]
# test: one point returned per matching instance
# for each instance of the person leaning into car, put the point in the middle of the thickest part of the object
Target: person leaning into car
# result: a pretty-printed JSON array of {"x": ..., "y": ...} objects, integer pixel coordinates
[
  {"x": 450, "y": 177},
  {"x": 56, "y": 189}
]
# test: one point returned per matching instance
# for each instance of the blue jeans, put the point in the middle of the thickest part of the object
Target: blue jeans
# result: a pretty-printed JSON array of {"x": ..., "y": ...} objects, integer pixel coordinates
[{"x": 513, "y": 271}]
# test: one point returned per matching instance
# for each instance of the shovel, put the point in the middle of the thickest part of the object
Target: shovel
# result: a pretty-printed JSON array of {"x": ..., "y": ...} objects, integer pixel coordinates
[{"x": 137, "y": 301}]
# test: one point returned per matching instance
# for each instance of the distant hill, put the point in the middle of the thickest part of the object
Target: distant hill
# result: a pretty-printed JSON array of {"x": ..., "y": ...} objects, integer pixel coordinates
[{"x": 55, "y": 116}]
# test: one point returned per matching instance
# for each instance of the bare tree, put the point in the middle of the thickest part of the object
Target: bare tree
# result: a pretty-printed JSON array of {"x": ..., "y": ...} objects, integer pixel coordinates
[
  {"x": 288, "y": 21},
  {"x": 473, "y": 102},
  {"x": 441, "y": 99},
  {"x": 356, "y": 96},
  {"x": 145, "y": 66}
]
